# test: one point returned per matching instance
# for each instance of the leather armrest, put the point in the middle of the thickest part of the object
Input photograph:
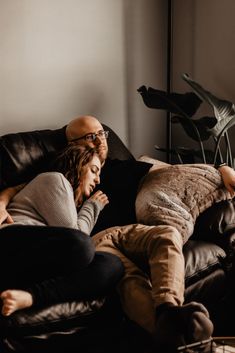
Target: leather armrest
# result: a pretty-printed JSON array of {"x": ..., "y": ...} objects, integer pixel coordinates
[
  {"x": 201, "y": 258},
  {"x": 217, "y": 219},
  {"x": 60, "y": 317}
]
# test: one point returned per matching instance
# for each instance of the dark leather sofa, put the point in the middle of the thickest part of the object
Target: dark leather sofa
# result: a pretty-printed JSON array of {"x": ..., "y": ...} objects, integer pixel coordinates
[{"x": 99, "y": 326}]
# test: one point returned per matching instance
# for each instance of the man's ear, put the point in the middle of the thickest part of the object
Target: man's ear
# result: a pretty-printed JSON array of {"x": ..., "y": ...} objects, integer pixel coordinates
[{"x": 68, "y": 133}]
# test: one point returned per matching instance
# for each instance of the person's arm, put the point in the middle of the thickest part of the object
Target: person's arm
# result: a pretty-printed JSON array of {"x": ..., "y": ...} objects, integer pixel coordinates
[
  {"x": 228, "y": 176},
  {"x": 5, "y": 197},
  {"x": 51, "y": 196},
  {"x": 89, "y": 212}
]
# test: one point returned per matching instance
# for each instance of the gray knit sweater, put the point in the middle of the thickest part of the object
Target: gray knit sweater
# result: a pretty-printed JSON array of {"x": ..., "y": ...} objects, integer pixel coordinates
[{"x": 48, "y": 200}]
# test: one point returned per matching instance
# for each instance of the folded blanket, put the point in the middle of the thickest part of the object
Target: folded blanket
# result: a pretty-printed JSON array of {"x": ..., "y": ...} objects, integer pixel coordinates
[{"x": 175, "y": 195}]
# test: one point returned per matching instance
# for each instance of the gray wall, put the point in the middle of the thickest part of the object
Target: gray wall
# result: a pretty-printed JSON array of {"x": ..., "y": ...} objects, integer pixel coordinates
[
  {"x": 63, "y": 58},
  {"x": 204, "y": 37},
  {"x": 146, "y": 28},
  {"x": 60, "y": 59}
]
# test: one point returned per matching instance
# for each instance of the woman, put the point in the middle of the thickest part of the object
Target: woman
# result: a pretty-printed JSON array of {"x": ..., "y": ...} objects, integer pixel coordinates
[{"x": 51, "y": 238}]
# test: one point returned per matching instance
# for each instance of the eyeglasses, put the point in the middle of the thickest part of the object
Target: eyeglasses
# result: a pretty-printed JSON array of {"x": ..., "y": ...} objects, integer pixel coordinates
[{"x": 92, "y": 137}]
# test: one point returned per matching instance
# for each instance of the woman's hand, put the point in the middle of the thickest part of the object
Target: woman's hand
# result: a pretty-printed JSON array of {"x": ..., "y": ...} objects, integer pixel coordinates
[
  {"x": 100, "y": 197},
  {"x": 5, "y": 217},
  {"x": 228, "y": 176},
  {"x": 5, "y": 197}
]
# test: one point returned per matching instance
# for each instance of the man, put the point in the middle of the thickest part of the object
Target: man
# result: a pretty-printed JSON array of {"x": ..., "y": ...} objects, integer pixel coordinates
[{"x": 170, "y": 313}]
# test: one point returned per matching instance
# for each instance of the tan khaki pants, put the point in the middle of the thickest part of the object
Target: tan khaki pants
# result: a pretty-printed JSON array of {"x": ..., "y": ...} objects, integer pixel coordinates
[{"x": 154, "y": 268}]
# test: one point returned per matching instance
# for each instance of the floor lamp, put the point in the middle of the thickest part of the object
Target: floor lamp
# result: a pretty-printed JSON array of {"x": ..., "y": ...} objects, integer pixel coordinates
[{"x": 169, "y": 71}]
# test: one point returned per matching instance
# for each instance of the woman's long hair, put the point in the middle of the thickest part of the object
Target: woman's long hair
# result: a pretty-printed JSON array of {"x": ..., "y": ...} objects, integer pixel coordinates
[{"x": 71, "y": 163}]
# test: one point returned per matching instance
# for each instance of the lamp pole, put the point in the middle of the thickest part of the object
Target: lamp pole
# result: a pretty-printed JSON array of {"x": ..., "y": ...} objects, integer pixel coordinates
[{"x": 169, "y": 72}]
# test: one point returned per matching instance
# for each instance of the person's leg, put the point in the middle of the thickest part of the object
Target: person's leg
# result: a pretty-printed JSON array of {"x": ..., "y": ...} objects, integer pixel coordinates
[
  {"x": 175, "y": 324},
  {"x": 159, "y": 250},
  {"x": 46, "y": 251},
  {"x": 181, "y": 325},
  {"x": 153, "y": 249},
  {"x": 92, "y": 282},
  {"x": 134, "y": 288}
]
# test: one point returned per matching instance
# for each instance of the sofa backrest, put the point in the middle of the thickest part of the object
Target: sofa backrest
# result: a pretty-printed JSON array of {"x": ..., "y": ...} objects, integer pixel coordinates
[{"x": 23, "y": 155}]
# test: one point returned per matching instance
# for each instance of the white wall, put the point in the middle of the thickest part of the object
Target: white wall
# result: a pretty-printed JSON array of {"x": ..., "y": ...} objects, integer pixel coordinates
[{"x": 63, "y": 58}]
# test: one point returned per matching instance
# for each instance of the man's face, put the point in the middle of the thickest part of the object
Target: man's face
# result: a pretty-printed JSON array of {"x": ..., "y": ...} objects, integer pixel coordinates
[{"x": 90, "y": 132}]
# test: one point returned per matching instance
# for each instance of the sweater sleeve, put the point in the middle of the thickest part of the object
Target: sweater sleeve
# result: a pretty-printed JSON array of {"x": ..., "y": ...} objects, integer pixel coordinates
[
  {"x": 49, "y": 197},
  {"x": 88, "y": 215},
  {"x": 60, "y": 207}
]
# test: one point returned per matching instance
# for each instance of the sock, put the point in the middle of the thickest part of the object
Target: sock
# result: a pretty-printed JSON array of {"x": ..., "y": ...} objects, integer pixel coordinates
[{"x": 180, "y": 325}]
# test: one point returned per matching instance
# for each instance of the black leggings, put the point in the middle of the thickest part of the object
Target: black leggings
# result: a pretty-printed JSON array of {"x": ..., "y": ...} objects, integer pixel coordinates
[{"x": 55, "y": 264}]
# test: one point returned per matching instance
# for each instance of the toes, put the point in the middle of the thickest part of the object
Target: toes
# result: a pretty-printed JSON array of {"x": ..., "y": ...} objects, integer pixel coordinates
[
  {"x": 8, "y": 307},
  {"x": 3, "y": 295},
  {"x": 6, "y": 294}
]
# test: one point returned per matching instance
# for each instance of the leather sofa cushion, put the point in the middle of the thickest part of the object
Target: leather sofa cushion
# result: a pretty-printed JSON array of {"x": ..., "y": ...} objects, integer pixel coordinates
[
  {"x": 201, "y": 258},
  {"x": 60, "y": 317},
  {"x": 217, "y": 224},
  {"x": 25, "y": 154}
]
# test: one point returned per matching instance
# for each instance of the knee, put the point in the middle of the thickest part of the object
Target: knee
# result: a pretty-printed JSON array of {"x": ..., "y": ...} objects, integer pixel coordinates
[
  {"x": 166, "y": 235},
  {"x": 109, "y": 268},
  {"x": 80, "y": 248}
]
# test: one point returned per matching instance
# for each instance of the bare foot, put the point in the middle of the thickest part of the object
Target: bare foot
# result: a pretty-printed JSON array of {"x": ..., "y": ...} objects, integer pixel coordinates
[{"x": 14, "y": 299}]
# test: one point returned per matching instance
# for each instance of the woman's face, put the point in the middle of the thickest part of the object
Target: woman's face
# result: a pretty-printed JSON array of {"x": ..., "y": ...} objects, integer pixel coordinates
[{"x": 90, "y": 176}]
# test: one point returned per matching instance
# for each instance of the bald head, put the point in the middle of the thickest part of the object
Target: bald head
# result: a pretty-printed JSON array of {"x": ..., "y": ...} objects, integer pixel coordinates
[{"x": 83, "y": 126}]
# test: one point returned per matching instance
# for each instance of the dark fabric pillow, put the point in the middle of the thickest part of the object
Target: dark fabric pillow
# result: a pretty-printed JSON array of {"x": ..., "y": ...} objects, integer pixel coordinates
[{"x": 120, "y": 181}]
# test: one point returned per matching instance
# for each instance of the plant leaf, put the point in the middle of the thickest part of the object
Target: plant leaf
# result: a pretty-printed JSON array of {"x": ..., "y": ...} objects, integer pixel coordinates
[
  {"x": 202, "y": 125},
  {"x": 224, "y": 110},
  {"x": 184, "y": 104},
  {"x": 222, "y": 126}
]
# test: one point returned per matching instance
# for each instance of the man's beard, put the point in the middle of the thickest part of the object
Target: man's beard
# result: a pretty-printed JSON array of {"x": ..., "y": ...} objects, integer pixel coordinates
[{"x": 103, "y": 152}]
